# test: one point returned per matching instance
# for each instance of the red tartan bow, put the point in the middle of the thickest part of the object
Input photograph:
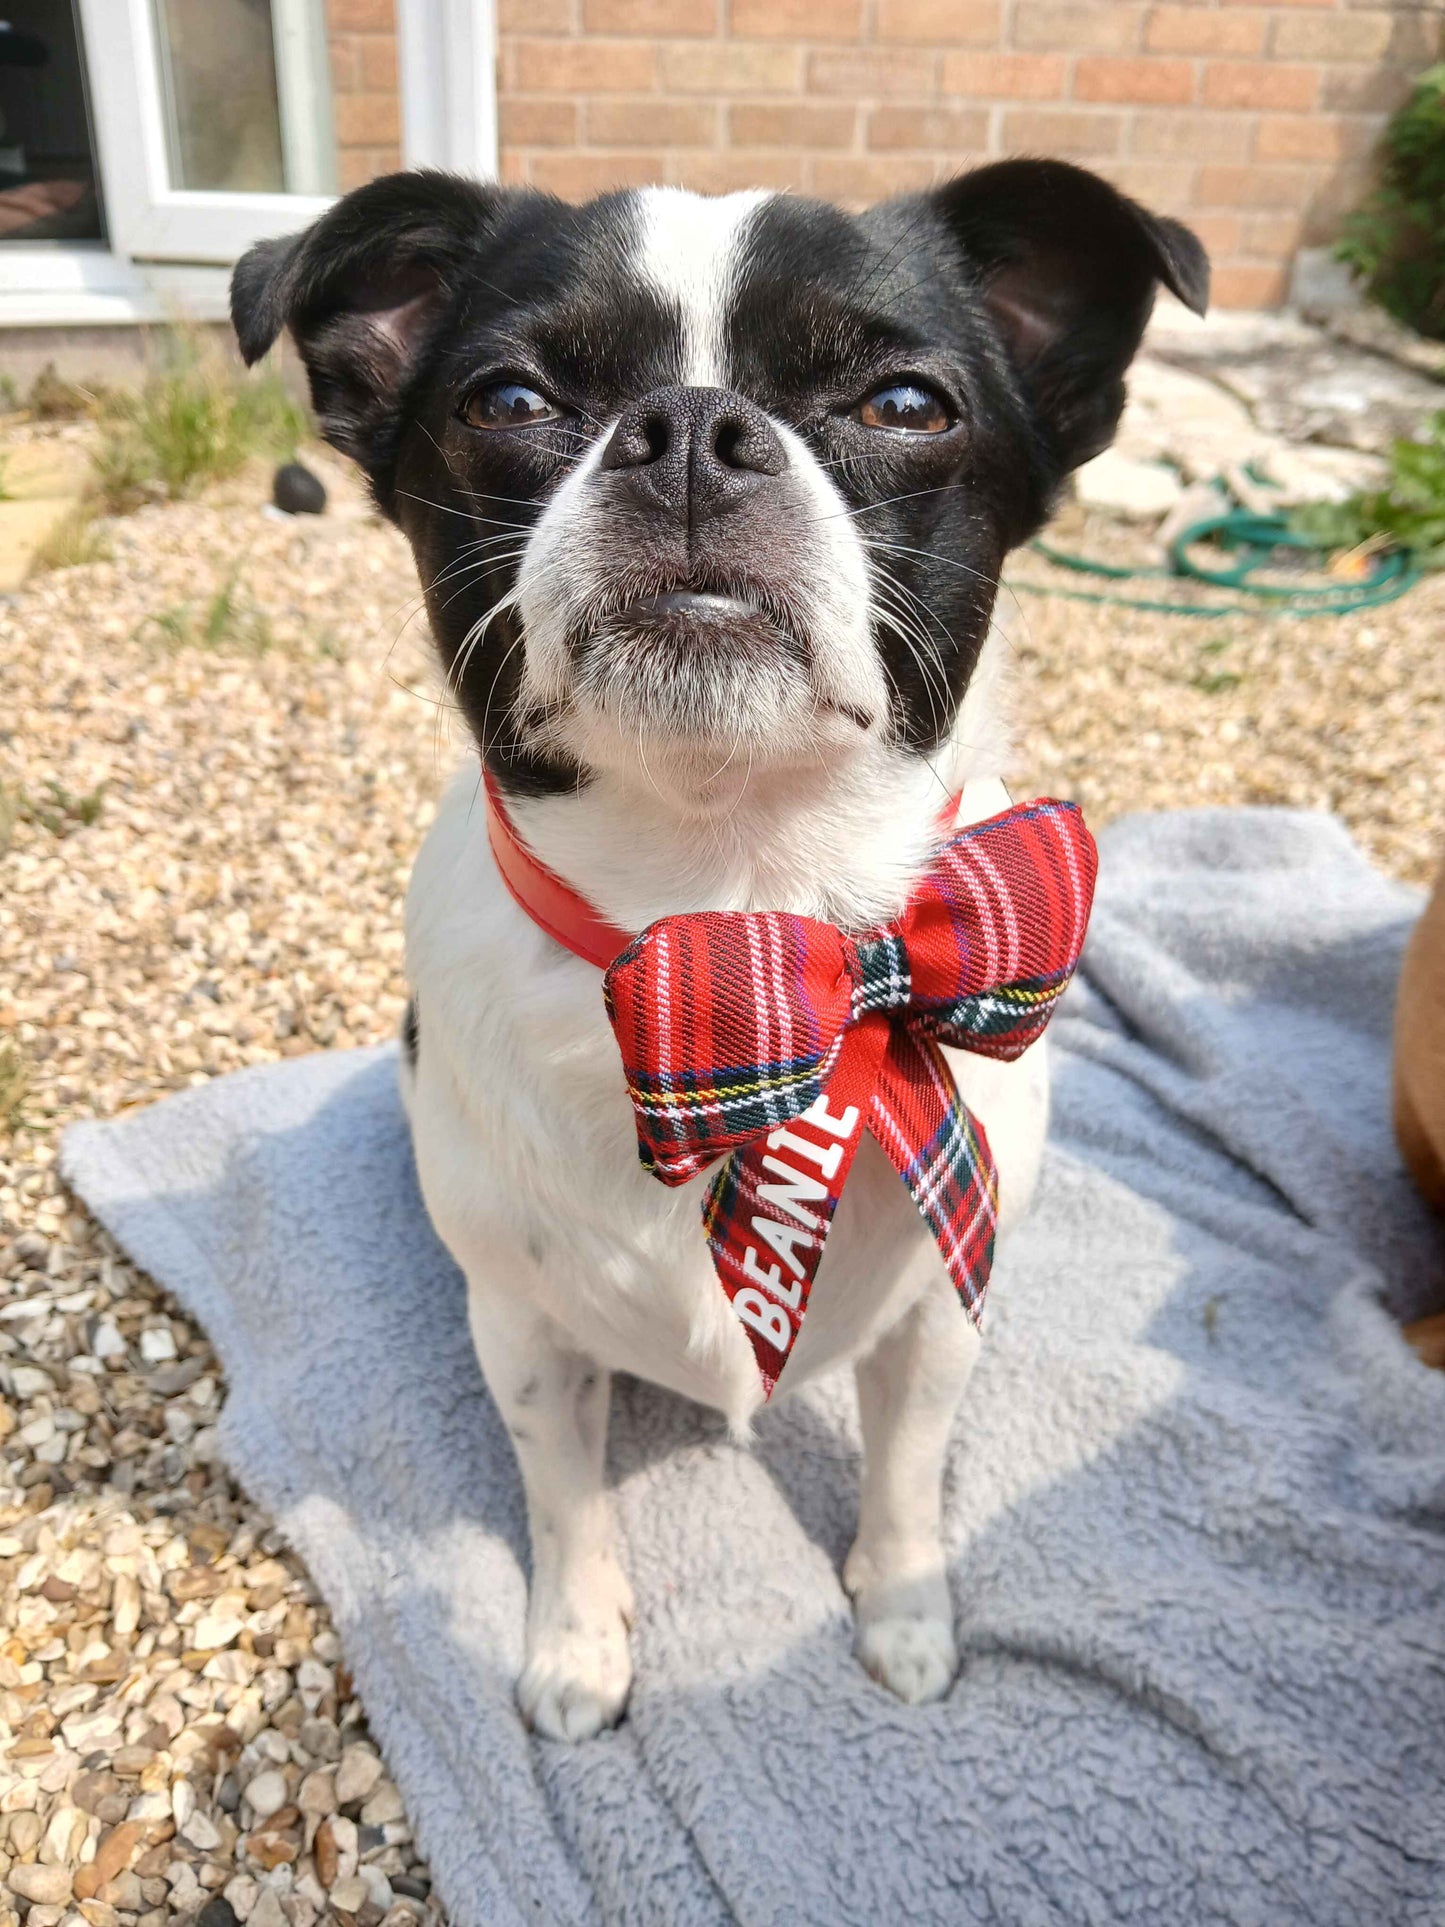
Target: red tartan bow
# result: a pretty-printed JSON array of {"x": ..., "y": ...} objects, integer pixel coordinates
[{"x": 780, "y": 1040}]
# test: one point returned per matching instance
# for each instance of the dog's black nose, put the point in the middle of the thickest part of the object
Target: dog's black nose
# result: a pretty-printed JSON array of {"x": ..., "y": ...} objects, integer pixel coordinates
[{"x": 694, "y": 452}]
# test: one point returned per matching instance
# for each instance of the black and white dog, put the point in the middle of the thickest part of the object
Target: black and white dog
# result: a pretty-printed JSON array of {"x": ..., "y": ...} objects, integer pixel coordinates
[{"x": 709, "y": 499}]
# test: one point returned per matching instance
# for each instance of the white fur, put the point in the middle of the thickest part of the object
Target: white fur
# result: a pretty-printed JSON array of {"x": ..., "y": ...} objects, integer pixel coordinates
[
  {"x": 577, "y": 1262},
  {"x": 689, "y": 249}
]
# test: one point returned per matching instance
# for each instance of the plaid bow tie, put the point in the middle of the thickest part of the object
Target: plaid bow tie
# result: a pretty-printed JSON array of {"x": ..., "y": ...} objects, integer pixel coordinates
[{"x": 774, "y": 1042}]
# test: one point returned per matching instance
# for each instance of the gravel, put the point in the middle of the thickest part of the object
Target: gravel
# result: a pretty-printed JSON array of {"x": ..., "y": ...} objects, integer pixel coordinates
[{"x": 208, "y": 873}]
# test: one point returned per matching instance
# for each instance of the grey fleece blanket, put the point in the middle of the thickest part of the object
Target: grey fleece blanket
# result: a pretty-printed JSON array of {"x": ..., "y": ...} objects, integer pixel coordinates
[{"x": 1196, "y": 1507}]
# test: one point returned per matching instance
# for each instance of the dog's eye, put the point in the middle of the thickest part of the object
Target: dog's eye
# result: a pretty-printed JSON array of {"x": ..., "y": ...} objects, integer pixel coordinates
[
  {"x": 906, "y": 405},
  {"x": 507, "y": 404}
]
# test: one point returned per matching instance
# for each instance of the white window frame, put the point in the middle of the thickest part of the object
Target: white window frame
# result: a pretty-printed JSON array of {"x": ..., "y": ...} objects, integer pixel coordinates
[{"x": 170, "y": 245}]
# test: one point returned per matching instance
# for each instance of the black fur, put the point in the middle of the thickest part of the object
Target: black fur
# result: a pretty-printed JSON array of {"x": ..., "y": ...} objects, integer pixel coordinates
[{"x": 1019, "y": 291}]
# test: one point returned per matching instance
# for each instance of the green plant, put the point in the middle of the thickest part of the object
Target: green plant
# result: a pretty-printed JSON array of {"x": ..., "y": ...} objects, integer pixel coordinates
[
  {"x": 62, "y": 810},
  {"x": 1396, "y": 240},
  {"x": 9, "y": 817},
  {"x": 7, "y": 494},
  {"x": 1407, "y": 513},
  {"x": 14, "y": 1085},
  {"x": 225, "y": 621},
  {"x": 194, "y": 420},
  {"x": 75, "y": 539}
]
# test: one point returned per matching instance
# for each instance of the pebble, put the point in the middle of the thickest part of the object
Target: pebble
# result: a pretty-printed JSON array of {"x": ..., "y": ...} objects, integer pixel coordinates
[
  {"x": 358, "y": 1773},
  {"x": 267, "y": 1793},
  {"x": 297, "y": 491},
  {"x": 218, "y": 1912},
  {"x": 40, "y": 1883}
]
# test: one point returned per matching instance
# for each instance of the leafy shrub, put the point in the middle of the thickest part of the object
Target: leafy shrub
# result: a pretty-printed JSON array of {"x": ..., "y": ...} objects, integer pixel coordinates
[
  {"x": 1396, "y": 240},
  {"x": 1407, "y": 513}
]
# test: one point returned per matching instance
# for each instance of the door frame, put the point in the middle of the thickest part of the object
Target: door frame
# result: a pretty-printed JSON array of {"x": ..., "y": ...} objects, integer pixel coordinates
[{"x": 166, "y": 242}]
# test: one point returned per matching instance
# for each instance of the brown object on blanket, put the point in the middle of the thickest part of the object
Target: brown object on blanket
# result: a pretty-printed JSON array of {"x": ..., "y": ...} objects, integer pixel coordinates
[{"x": 1420, "y": 1052}]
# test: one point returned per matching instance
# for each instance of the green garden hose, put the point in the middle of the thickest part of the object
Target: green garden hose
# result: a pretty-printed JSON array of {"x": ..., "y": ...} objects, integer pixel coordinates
[{"x": 1254, "y": 540}]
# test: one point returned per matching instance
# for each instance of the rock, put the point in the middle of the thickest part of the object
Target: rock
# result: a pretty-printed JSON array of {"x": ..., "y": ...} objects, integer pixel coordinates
[
  {"x": 201, "y": 1832},
  {"x": 267, "y": 1911},
  {"x": 1321, "y": 285},
  {"x": 116, "y": 1850},
  {"x": 125, "y": 1605},
  {"x": 1369, "y": 327},
  {"x": 1137, "y": 491},
  {"x": 23, "y": 1833},
  {"x": 384, "y": 1805},
  {"x": 42, "y": 1884},
  {"x": 328, "y": 1858},
  {"x": 318, "y": 1793},
  {"x": 410, "y": 1886},
  {"x": 124, "y": 1892},
  {"x": 267, "y": 1793},
  {"x": 157, "y": 1345},
  {"x": 296, "y": 491},
  {"x": 241, "y": 1895},
  {"x": 216, "y": 1630},
  {"x": 358, "y": 1773},
  {"x": 99, "y": 1913},
  {"x": 218, "y": 1912},
  {"x": 349, "y": 1892}
]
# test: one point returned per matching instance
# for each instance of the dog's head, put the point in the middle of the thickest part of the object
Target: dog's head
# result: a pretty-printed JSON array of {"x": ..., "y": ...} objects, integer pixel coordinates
[{"x": 696, "y": 482}]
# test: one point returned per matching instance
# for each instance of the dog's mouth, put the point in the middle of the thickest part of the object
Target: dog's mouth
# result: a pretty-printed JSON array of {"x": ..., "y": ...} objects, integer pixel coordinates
[{"x": 693, "y": 623}]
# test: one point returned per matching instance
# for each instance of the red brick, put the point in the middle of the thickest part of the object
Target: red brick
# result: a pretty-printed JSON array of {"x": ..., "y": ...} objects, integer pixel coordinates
[
  {"x": 581, "y": 66},
  {"x": 578, "y": 177},
  {"x": 1138, "y": 81},
  {"x": 660, "y": 123},
  {"x": 870, "y": 71},
  {"x": 1247, "y": 285},
  {"x": 367, "y": 120},
  {"x": 361, "y": 16},
  {"x": 1060, "y": 26},
  {"x": 1220, "y": 233},
  {"x": 951, "y": 129},
  {"x": 1273, "y": 235},
  {"x": 354, "y": 168},
  {"x": 650, "y": 16},
  {"x": 796, "y": 19},
  {"x": 1060, "y": 131},
  {"x": 344, "y": 52},
  {"x": 1260, "y": 83},
  {"x": 940, "y": 23},
  {"x": 1252, "y": 187},
  {"x": 859, "y": 182},
  {"x": 1352, "y": 36},
  {"x": 537, "y": 16},
  {"x": 378, "y": 63},
  {"x": 537, "y": 123},
  {"x": 1004, "y": 76},
  {"x": 1204, "y": 30},
  {"x": 1166, "y": 186},
  {"x": 727, "y": 172},
  {"x": 1313, "y": 137},
  {"x": 800, "y": 123},
  {"x": 1194, "y": 137},
  {"x": 731, "y": 67}
]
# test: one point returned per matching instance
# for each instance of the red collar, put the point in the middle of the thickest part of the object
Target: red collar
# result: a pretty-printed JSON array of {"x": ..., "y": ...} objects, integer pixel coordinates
[{"x": 551, "y": 902}]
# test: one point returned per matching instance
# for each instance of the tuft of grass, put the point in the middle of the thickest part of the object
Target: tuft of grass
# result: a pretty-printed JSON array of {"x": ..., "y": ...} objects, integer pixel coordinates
[
  {"x": 226, "y": 621},
  {"x": 77, "y": 538},
  {"x": 54, "y": 399},
  {"x": 59, "y": 810},
  {"x": 14, "y": 1087},
  {"x": 194, "y": 420},
  {"x": 7, "y": 494},
  {"x": 9, "y": 817}
]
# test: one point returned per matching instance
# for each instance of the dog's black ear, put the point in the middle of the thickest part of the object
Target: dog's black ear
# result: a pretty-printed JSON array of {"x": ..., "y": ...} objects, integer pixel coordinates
[
  {"x": 1068, "y": 268},
  {"x": 363, "y": 291}
]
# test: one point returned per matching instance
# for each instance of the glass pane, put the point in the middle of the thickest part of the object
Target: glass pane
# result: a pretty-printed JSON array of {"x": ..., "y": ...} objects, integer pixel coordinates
[
  {"x": 47, "y": 165},
  {"x": 247, "y": 95}
]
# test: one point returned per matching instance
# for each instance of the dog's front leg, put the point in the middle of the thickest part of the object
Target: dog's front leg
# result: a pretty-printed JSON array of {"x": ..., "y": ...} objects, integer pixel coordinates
[
  {"x": 554, "y": 1401},
  {"x": 908, "y": 1390}
]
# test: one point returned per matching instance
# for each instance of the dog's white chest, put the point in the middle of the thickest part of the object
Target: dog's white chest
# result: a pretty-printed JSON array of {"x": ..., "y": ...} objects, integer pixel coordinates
[{"x": 527, "y": 1153}]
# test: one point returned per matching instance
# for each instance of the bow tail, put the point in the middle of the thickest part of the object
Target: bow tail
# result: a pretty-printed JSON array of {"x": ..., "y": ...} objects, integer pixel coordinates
[
  {"x": 769, "y": 1209},
  {"x": 939, "y": 1149}
]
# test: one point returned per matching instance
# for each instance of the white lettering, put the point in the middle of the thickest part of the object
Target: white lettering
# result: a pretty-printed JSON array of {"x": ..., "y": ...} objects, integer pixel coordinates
[
  {"x": 819, "y": 1114},
  {"x": 826, "y": 1157},
  {"x": 771, "y": 1280},
  {"x": 766, "y": 1318},
  {"x": 795, "y": 1195},
  {"x": 783, "y": 1237}
]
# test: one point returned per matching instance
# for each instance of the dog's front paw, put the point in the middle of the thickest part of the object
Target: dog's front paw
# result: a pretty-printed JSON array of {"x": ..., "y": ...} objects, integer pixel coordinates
[
  {"x": 577, "y": 1674},
  {"x": 905, "y": 1630}
]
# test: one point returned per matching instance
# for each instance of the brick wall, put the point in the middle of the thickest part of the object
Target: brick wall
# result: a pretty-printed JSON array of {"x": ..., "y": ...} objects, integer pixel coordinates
[
  {"x": 1253, "y": 122},
  {"x": 362, "y": 38}
]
